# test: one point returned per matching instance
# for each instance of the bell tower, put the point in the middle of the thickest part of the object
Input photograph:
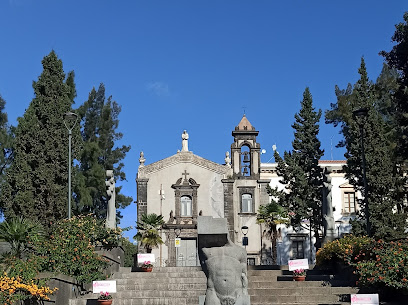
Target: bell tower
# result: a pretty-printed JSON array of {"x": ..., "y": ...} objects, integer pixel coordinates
[
  {"x": 244, "y": 190},
  {"x": 245, "y": 151}
]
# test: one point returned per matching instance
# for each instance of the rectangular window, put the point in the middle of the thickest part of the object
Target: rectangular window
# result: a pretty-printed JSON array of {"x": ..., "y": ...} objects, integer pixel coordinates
[
  {"x": 297, "y": 249},
  {"x": 186, "y": 206},
  {"x": 246, "y": 205},
  {"x": 349, "y": 202}
]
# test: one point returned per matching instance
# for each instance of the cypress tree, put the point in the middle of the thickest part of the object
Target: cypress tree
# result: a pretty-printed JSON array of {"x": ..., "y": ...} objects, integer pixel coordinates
[
  {"x": 383, "y": 175},
  {"x": 36, "y": 182},
  {"x": 397, "y": 58},
  {"x": 300, "y": 171},
  {"x": 6, "y": 140},
  {"x": 99, "y": 124}
]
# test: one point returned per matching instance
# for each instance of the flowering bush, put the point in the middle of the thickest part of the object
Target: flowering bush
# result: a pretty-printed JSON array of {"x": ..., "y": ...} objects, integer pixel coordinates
[
  {"x": 25, "y": 269},
  {"x": 384, "y": 264},
  {"x": 346, "y": 250},
  {"x": 299, "y": 272},
  {"x": 70, "y": 250},
  {"x": 147, "y": 264},
  {"x": 105, "y": 296},
  {"x": 13, "y": 289}
]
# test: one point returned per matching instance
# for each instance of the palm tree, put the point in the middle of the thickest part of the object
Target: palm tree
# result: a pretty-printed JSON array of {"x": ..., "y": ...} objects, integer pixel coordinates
[
  {"x": 21, "y": 233},
  {"x": 272, "y": 215},
  {"x": 148, "y": 231}
]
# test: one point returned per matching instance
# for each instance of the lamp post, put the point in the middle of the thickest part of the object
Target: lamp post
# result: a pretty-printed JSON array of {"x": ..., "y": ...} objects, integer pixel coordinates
[
  {"x": 70, "y": 120},
  {"x": 339, "y": 223},
  {"x": 360, "y": 116},
  {"x": 310, "y": 214},
  {"x": 177, "y": 232},
  {"x": 244, "y": 230}
]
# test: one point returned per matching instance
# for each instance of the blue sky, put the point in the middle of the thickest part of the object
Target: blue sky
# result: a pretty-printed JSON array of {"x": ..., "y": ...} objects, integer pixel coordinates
[{"x": 196, "y": 65}]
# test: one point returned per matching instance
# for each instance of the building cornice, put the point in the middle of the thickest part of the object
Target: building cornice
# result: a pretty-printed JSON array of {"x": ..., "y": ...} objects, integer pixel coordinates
[{"x": 182, "y": 157}]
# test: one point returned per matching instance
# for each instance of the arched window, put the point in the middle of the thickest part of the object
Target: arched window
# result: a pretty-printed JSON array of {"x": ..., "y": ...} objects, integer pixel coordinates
[
  {"x": 245, "y": 161},
  {"x": 246, "y": 205},
  {"x": 186, "y": 204}
]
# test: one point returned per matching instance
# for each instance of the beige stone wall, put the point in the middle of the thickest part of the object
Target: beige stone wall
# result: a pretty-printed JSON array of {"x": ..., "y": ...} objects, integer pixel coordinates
[{"x": 165, "y": 173}]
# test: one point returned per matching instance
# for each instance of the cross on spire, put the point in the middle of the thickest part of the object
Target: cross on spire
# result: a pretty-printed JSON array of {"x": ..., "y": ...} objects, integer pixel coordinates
[{"x": 185, "y": 175}]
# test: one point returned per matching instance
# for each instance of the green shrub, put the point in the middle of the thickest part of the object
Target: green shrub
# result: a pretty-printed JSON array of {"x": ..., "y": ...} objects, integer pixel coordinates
[
  {"x": 130, "y": 250},
  {"x": 70, "y": 249},
  {"x": 25, "y": 269},
  {"x": 384, "y": 265},
  {"x": 345, "y": 250}
]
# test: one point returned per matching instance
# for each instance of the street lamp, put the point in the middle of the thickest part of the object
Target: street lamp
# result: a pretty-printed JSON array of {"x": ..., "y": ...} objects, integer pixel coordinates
[
  {"x": 70, "y": 120},
  {"x": 339, "y": 223},
  {"x": 244, "y": 230},
  {"x": 177, "y": 232},
  {"x": 360, "y": 116},
  {"x": 310, "y": 214}
]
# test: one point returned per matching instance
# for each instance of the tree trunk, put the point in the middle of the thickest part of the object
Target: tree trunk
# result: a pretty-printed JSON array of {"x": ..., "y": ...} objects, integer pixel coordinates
[{"x": 274, "y": 245}]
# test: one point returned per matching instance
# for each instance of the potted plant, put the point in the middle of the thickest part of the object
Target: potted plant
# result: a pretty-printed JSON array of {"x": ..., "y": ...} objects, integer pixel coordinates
[
  {"x": 105, "y": 298},
  {"x": 147, "y": 266},
  {"x": 299, "y": 275}
]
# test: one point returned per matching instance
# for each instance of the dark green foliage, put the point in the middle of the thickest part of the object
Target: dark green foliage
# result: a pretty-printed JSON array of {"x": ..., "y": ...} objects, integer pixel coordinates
[
  {"x": 384, "y": 176},
  {"x": 384, "y": 265},
  {"x": 148, "y": 231},
  {"x": 130, "y": 250},
  {"x": 6, "y": 140},
  {"x": 397, "y": 58},
  {"x": 272, "y": 215},
  {"x": 99, "y": 124},
  {"x": 21, "y": 233},
  {"x": 36, "y": 183},
  {"x": 300, "y": 171},
  {"x": 70, "y": 249}
]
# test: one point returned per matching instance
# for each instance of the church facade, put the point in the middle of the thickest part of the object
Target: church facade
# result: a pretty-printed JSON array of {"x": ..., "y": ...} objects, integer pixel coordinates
[{"x": 184, "y": 186}]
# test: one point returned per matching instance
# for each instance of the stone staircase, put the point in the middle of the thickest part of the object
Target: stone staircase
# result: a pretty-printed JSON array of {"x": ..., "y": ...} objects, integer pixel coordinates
[{"x": 183, "y": 286}]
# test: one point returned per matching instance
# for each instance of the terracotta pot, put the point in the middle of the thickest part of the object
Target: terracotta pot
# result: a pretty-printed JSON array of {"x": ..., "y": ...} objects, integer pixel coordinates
[
  {"x": 147, "y": 269},
  {"x": 105, "y": 302},
  {"x": 300, "y": 278}
]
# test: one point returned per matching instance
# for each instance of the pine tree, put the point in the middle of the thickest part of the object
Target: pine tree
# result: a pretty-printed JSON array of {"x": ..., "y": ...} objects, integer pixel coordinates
[
  {"x": 383, "y": 176},
  {"x": 397, "y": 58},
  {"x": 300, "y": 171},
  {"x": 6, "y": 140},
  {"x": 36, "y": 183},
  {"x": 99, "y": 124}
]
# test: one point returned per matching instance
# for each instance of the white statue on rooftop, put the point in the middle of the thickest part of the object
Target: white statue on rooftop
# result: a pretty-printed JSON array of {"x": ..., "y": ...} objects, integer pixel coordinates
[{"x": 184, "y": 142}]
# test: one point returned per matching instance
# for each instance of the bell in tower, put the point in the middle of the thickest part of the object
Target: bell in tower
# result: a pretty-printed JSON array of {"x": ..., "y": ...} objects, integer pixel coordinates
[{"x": 245, "y": 151}]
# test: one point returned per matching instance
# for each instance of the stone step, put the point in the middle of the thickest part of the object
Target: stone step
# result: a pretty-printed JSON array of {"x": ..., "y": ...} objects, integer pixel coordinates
[
  {"x": 194, "y": 301},
  {"x": 285, "y": 272},
  {"x": 267, "y": 287},
  {"x": 162, "y": 269},
  {"x": 298, "y": 299},
  {"x": 140, "y": 301},
  {"x": 191, "y": 290},
  {"x": 292, "y": 284},
  {"x": 136, "y": 294},
  {"x": 183, "y": 285},
  {"x": 160, "y": 281},
  {"x": 309, "y": 291},
  {"x": 320, "y": 277},
  {"x": 156, "y": 274},
  {"x": 162, "y": 286}
]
